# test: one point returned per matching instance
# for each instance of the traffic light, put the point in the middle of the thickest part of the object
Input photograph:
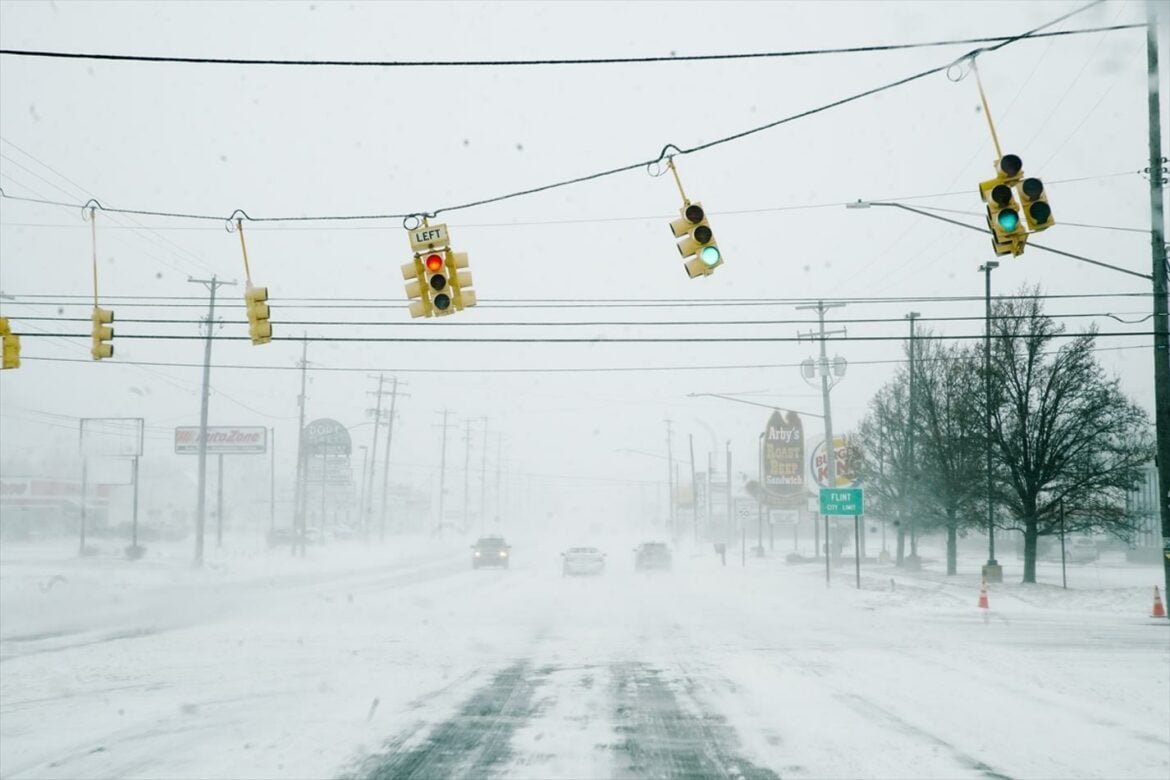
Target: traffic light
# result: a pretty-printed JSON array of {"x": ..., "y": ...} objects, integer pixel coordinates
[
  {"x": 698, "y": 246},
  {"x": 256, "y": 301},
  {"x": 437, "y": 283},
  {"x": 102, "y": 333},
  {"x": 11, "y": 345},
  {"x": 1003, "y": 213},
  {"x": 1037, "y": 212}
]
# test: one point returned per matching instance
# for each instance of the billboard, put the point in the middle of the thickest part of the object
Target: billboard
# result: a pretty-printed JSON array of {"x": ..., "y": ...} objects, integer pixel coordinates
[
  {"x": 783, "y": 455},
  {"x": 222, "y": 440}
]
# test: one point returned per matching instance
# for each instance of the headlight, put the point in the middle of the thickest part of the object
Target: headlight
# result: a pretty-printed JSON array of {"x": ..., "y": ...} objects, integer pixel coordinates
[{"x": 503, "y": 553}]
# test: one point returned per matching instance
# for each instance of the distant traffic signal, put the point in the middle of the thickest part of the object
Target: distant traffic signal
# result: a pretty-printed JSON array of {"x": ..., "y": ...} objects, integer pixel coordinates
[
  {"x": 256, "y": 301},
  {"x": 438, "y": 281},
  {"x": 11, "y": 345},
  {"x": 698, "y": 246},
  {"x": 102, "y": 334},
  {"x": 1037, "y": 212}
]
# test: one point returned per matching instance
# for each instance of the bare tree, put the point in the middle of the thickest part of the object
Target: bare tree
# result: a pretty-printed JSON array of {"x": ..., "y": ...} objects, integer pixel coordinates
[
  {"x": 950, "y": 456},
  {"x": 1063, "y": 432},
  {"x": 885, "y": 455}
]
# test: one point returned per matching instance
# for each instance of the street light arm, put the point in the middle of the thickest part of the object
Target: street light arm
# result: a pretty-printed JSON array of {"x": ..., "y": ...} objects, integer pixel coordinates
[
  {"x": 751, "y": 403},
  {"x": 866, "y": 204}
]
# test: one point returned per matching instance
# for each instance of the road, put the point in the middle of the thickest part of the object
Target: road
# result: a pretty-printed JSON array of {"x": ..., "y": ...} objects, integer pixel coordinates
[{"x": 427, "y": 669}]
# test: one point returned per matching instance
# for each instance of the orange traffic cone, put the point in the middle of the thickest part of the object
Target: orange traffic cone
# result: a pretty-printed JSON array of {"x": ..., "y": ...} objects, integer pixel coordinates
[
  {"x": 1159, "y": 610},
  {"x": 983, "y": 595}
]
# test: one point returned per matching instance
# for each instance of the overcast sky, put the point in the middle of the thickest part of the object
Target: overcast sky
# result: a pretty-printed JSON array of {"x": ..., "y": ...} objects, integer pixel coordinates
[{"x": 277, "y": 141}]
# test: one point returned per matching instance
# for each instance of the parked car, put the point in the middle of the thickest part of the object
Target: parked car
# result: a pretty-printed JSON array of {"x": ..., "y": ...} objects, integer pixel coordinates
[
  {"x": 652, "y": 555},
  {"x": 490, "y": 551},
  {"x": 582, "y": 560}
]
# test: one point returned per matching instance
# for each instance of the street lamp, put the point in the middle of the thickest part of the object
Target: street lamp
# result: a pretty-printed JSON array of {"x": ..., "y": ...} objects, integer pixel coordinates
[{"x": 992, "y": 571}]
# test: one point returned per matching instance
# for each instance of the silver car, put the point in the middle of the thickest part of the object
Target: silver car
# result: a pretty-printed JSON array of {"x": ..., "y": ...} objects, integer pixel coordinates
[{"x": 582, "y": 560}]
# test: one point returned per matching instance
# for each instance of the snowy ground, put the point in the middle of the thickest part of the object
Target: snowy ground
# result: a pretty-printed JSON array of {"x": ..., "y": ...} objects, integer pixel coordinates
[{"x": 403, "y": 662}]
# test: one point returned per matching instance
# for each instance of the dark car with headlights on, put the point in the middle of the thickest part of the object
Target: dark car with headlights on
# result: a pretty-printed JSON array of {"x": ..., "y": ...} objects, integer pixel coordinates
[{"x": 490, "y": 551}]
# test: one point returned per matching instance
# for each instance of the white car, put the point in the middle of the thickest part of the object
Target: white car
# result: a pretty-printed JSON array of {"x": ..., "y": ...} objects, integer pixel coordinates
[{"x": 582, "y": 560}]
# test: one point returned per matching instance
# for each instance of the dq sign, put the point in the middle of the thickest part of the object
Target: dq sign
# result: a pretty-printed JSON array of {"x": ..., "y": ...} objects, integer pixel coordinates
[
  {"x": 848, "y": 460},
  {"x": 783, "y": 455}
]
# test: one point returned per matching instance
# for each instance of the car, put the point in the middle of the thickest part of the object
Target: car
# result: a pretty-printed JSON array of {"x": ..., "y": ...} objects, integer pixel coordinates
[
  {"x": 490, "y": 551},
  {"x": 652, "y": 555},
  {"x": 582, "y": 560}
]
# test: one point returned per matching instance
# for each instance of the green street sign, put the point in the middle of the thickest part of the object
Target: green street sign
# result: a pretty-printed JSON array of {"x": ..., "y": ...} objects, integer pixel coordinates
[{"x": 842, "y": 502}]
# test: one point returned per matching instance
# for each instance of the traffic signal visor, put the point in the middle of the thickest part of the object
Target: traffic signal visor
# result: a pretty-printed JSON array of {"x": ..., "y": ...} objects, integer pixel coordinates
[
  {"x": 259, "y": 328},
  {"x": 1037, "y": 212},
  {"x": 102, "y": 333}
]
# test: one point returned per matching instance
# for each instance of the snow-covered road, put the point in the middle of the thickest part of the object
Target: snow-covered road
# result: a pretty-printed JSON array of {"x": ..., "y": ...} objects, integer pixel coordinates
[{"x": 417, "y": 666}]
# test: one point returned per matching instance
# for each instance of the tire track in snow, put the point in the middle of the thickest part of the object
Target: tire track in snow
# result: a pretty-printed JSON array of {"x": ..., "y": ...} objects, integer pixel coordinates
[
  {"x": 472, "y": 743},
  {"x": 664, "y": 740}
]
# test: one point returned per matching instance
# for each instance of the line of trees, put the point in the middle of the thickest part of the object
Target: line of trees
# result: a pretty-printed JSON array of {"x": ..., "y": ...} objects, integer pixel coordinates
[{"x": 1063, "y": 435}]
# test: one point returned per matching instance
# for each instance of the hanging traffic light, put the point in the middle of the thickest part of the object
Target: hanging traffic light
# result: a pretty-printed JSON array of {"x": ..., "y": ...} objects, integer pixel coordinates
[
  {"x": 11, "y": 344},
  {"x": 698, "y": 246},
  {"x": 1037, "y": 212},
  {"x": 256, "y": 301},
  {"x": 437, "y": 280},
  {"x": 102, "y": 333},
  {"x": 1003, "y": 213}
]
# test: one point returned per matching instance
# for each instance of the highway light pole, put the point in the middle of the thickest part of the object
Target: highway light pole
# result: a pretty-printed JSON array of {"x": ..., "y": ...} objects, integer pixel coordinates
[{"x": 992, "y": 571}]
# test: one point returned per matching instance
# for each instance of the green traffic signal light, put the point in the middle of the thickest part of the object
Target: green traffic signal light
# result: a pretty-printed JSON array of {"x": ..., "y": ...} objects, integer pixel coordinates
[
  {"x": 442, "y": 302},
  {"x": 709, "y": 255},
  {"x": 1008, "y": 219}
]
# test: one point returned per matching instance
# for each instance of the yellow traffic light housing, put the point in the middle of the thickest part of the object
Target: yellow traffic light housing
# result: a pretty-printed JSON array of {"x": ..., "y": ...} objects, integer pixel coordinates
[
  {"x": 11, "y": 345},
  {"x": 102, "y": 333},
  {"x": 1037, "y": 212},
  {"x": 697, "y": 245},
  {"x": 259, "y": 327},
  {"x": 437, "y": 280},
  {"x": 1003, "y": 213}
]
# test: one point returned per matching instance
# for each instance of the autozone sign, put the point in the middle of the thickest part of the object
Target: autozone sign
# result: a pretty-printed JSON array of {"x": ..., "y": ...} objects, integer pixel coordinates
[{"x": 222, "y": 440}]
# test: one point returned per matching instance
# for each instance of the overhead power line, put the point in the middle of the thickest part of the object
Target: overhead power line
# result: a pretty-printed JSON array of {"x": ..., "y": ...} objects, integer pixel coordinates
[
  {"x": 524, "y": 370},
  {"x": 590, "y": 323},
  {"x": 563, "y": 339},
  {"x": 872, "y": 48},
  {"x": 664, "y": 154}
]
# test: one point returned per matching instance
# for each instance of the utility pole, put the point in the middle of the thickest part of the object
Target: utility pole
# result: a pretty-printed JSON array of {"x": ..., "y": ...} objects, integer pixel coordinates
[
  {"x": 500, "y": 457},
  {"x": 483, "y": 481},
  {"x": 219, "y": 502},
  {"x": 466, "y": 473},
  {"x": 212, "y": 285},
  {"x": 822, "y": 367},
  {"x": 670, "y": 481},
  {"x": 299, "y": 498},
  {"x": 909, "y": 494},
  {"x": 272, "y": 480},
  {"x": 386, "y": 468},
  {"x": 1157, "y": 175},
  {"x": 992, "y": 571},
  {"x": 368, "y": 479},
  {"x": 730, "y": 509},
  {"x": 443, "y": 471},
  {"x": 710, "y": 518},
  {"x": 694, "y": 489}
]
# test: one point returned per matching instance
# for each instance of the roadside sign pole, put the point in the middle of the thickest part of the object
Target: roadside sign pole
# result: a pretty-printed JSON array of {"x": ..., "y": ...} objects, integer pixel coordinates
[
  {"x": 826, "y": 551},
  {"x": 1063, "y": 572},
  {"x": 857, "y": 547},
  {"x": 134, "y": 526}
]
